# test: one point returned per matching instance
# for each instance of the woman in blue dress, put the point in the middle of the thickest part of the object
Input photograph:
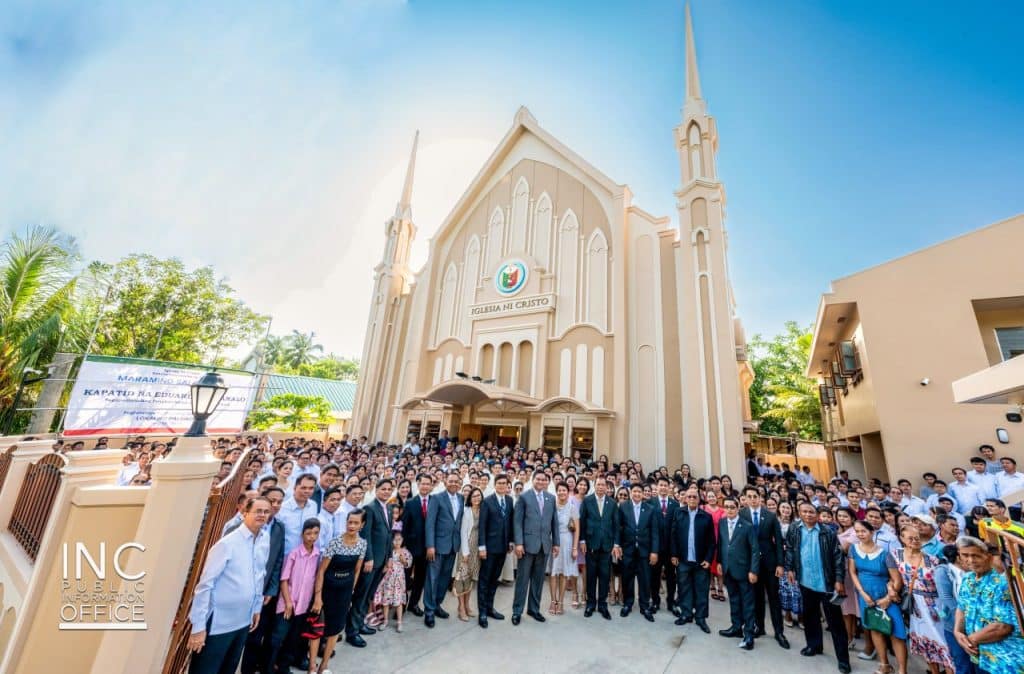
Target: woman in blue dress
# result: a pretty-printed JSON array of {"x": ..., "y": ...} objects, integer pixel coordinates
[{"x": 877, "y": 580}]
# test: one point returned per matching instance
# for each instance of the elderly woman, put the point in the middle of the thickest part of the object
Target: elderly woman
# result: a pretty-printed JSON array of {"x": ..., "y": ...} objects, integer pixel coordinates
[
  {"x": 917, "y": 569},
  {"x": 986, "y": 622}
]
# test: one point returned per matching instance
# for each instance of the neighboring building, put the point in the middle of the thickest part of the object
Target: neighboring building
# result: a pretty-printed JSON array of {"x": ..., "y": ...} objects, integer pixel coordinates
[
  {"x": 554, "y": 312},
  {"x": 341, "y": 395},
  {"x": 890, "y": 341}
]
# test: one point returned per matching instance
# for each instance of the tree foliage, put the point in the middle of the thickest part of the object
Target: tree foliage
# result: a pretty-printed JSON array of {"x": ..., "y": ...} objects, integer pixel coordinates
[
  {"x": 38, "y": 315},
  {"x": 292, "y": 412},
  {"x": 781, "y": 397},
  {"x": 297, "y": 354},
  {"x": 156, "y": 308}
]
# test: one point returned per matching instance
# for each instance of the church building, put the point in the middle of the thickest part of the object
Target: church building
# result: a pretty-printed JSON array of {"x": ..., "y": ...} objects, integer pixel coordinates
[{"x": 554, "y": 312}]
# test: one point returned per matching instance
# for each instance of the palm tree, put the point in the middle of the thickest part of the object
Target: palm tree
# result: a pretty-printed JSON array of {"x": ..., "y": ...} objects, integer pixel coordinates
[
  {"x": 37, "y": 288},
  {"x": 300, "y": 348}
]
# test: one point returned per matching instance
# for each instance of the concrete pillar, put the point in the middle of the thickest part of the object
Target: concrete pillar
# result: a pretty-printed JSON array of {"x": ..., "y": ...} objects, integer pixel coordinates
[
  {"x": 49, "y": 397},
  {"x": 168, "y": 529}
]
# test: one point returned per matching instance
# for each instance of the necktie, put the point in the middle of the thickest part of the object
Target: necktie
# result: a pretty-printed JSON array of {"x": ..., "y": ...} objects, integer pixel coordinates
[
  {"x": 757, "y": 517},
  {"x": 501, "y": 502},
  {"x": 540, "y": 502},
  {"x": 423, "y": 502},
  {"x": 732, "y": 525},
  {"x": 600, "y": 507},
  {"x": 664, "y": 506}
]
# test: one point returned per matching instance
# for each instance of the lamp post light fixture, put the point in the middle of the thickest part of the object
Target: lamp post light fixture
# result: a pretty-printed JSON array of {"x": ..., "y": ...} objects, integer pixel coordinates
[{"x": 206, "y": 395}]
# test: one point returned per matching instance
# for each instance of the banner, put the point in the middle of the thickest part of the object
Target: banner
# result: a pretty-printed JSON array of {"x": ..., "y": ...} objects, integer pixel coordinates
[{"x": 128, "y": 396}]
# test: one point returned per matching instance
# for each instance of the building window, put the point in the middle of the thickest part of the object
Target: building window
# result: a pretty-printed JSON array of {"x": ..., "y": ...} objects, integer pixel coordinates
[
  {"x": 583, "y": 442},
  {"x": 1011, "y": 341},
  {"x": 553, "y": 438}
]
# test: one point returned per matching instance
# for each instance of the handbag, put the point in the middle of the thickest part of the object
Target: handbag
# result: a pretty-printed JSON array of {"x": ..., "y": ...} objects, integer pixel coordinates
[
  {"x": 313, "y": 627},
  {"x": 907, "y": 601},
  {"x": 877, "y": 620}
]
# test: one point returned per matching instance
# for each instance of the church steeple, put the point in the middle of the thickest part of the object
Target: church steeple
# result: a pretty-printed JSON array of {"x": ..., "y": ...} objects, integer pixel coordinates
[
  {"x": 403, "y": 211},
  {"x": 692, "y": 74},
  {"x": 696, "y": 135}
]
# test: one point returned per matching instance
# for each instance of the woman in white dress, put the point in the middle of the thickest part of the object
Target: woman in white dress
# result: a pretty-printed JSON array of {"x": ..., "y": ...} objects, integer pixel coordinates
[{"x": 564, "y": 565}]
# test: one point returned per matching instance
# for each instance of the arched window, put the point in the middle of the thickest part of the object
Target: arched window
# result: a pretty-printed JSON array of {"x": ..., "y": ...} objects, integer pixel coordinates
[
  {"x": 568, "y": 280},
  {"x": 520, "y": 215},
  {"x": 504, "y": 376},
  {"x": 495, "y": 237},
  {"x": 470, "y": 280},
  {"x": 696, "y": 156},
  {"x": 542, "y": 232},
  {"x": 487, "y": 361},
  {"x": 446, "y": 308},
  {"x": 597, "y": 280}
]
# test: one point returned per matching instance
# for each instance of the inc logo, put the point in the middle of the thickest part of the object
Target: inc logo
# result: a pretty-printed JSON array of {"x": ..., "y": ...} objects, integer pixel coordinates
[{"x": 511, "y": 277}]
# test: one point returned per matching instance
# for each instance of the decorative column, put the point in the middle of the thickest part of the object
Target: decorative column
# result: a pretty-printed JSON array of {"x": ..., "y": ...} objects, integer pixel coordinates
[{"x": 168, "y": 529}]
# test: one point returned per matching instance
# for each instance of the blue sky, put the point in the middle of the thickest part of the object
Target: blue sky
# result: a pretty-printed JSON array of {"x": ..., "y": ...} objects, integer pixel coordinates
[{"x": 269, "y": 139}]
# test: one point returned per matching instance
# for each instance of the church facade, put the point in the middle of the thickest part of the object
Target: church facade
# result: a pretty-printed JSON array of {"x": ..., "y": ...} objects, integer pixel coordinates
[{"x": 554, "y": 312}]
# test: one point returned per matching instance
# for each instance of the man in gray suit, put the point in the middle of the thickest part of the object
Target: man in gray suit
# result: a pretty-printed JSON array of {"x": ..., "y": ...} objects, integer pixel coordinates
[
  {"x": 443, "y": 538},
  {"x": 535, "y": 532}
]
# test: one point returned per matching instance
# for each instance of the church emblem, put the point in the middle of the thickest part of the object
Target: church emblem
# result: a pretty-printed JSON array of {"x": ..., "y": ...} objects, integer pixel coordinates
[{"x": 511, "y": 277}]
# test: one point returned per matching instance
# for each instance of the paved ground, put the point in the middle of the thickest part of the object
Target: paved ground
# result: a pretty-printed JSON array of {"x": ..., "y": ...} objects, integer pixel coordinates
[{"x": 572, "y": 643}]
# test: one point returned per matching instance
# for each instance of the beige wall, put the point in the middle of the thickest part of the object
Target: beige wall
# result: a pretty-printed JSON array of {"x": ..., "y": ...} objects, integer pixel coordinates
[{"x": 917, "y": 320}]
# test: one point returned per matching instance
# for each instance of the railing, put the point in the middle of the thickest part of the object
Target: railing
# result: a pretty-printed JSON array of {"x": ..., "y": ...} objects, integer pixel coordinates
[
  {"x": 220, "y": 507},
  {"x": 1012, "y": 554},
  {"x": 35, "y": 501},
  {"x": 5, "y": 464}
]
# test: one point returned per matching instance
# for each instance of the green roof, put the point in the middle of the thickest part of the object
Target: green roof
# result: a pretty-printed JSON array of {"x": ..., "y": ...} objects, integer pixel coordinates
[{"x": 341, "y": 394}]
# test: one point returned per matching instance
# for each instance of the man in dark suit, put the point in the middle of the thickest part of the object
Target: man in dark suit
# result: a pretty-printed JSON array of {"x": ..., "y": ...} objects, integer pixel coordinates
[
  {"x": 414, "y": 524},
  {"x": 377, "y": 533},
  {"x": 666, "y": 508},
  {"x": 637, "y": 544},
  {"x": 741, "y": 559},
  {"x": 598, "y": 519},
  {"x": 769, "y": 541},
  {"x": 535, "y": 532},
  {"x": 444, "y": 540},
  {"x": 692, "y": 548},
  {"x": 258, "y": 647},
  {"x": 495, "y": 541}
]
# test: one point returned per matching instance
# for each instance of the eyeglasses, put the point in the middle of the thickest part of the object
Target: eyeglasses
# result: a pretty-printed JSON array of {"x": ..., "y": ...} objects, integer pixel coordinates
[{"x": 731, "y": 506}]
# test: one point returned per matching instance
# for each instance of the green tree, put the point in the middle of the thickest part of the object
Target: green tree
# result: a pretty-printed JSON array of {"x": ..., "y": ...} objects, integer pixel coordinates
[
  {"x": 781, "y": 397},
  {"x": 331, "y": 366},
  {"x": 37, "y": 303},
  {"x": 300, "y": 349},
  {"x": 292, "y": 412},
  {"x": 157, "y": 308}
]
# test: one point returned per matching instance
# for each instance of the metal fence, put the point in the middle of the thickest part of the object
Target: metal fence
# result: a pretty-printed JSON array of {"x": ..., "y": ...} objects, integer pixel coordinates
[{"x": 35, "y": 502}]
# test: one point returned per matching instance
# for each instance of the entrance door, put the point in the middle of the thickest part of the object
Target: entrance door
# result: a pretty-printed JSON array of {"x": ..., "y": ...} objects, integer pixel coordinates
[{"x": 501, "y": 436}]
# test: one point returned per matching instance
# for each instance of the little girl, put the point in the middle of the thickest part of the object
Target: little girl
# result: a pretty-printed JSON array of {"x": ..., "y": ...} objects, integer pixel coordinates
[{"x": 391, "y": 591}]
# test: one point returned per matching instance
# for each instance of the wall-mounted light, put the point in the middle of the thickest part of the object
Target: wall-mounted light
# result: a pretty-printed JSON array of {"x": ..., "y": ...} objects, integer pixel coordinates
[{"x": 1003, "y": 436}]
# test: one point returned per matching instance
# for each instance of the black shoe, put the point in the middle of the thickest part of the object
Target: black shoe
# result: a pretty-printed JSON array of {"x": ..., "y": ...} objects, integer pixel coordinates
[
  {"x": 429, "y": 621},
  {"x": 624, "y": 612},
  {"x": 304, "y": 665},
  {"x": 356, "y": 640},
  {"x": 648, "y": 616},
  {"x": 680, "y": 621},
  {"x": 844, "y": 667},
  {"x": 676, "y": 611},
  {"x": 416, "y": 611},
  {"x": 515, "y": 619},
  {"x": 655, "y": 607},
  {"x": 536, "y": 616},
  {"x": 758, "y": 633},
  {"x": 809, "y": 652},
  {"x": 589, "y": 611},
  {"x": 604, "y": 613},
  {"x": 683, "y": 619},
  {"x": 367, "y": 631},
  {"x": 747, "y": 644},
  {"x": 494, "y": 614},
  {"x": 703, "y": 625},
  {"x": 731, "y": 633},
  {"x": 441, "y": 613},
  {"x": 782, "y": 641},
  {"x": 482, "y": 621}
]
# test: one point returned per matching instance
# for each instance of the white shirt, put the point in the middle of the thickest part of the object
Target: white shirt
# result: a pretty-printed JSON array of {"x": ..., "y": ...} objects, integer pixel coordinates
[
  {"x": 985, "y": 482},
  {"x": 231, "y": 585},
  {"x": 732, "y": 526},
  {"x": 805, "y": 478},
  {"x": 124, "y": 478},
  {"x": 967, "y": 496},
  {"x": 913, "y": 505},
  {"x": 332, "y": 525},
  {"x": 636, "y": 512},
  {"x": 291, "y": 517},
  {"x": 755, "y": 516},
  {"x": 311, "y": 469},
  {"x": 1007, "y": 483}
]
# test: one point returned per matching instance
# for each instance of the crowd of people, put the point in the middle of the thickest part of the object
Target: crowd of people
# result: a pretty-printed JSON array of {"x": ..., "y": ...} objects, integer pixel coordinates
[{"x": 343, "y": 539}]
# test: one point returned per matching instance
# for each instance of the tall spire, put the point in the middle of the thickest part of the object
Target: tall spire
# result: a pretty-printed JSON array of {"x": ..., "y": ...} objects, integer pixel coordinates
[
  {"x": 404, "y": 208},
  {"x": 692, "y": 75}
]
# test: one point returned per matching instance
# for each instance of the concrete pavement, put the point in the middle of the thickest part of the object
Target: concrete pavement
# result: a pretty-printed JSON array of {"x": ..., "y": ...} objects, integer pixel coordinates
[{"x": 572, "y": 643}]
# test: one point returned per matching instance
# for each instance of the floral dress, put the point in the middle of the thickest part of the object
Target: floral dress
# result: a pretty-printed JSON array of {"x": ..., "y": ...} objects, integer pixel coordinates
[
  {"x": 986, "y": 600},
  {"x": 391, "y": 591},
  {"x": 926, "y": 632},
  {"x": 790, "y": 598}
]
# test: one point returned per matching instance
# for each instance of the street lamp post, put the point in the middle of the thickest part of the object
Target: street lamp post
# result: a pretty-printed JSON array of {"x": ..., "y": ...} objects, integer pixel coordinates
[{"x": 206, "y": 395}]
